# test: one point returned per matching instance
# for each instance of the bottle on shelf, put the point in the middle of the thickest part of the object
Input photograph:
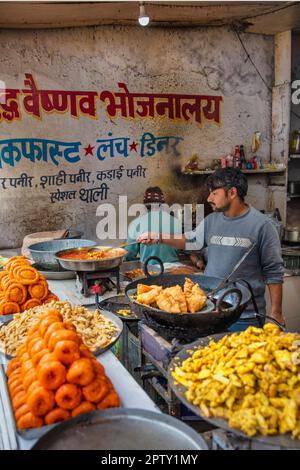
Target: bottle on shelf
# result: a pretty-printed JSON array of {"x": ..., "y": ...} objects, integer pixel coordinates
[
  {"x": 229, "y": 160},
  {"x": 243, "y": 162},
  {"x": 236, "y": 160}
]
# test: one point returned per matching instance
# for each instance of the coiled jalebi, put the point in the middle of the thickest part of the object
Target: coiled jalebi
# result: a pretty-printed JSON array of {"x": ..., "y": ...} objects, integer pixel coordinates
[
  {"x": 16, "y": 292},
  {"x": 27, "y": 275},
  {"x": 39, "y": 290},
  {"x": 9, "y": 308},
  {"x": 30, "y": 304}
]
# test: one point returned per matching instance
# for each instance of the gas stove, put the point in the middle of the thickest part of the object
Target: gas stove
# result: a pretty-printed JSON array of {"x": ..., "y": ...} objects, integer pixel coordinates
[{"x": 107, "y": 280}]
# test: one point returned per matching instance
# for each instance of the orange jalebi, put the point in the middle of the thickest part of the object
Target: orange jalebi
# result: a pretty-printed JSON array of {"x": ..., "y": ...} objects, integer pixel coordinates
[{"x": 22, "y": 287}]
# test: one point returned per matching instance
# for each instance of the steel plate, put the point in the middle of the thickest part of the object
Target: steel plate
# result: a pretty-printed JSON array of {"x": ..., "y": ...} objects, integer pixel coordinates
[
  {"x": 121, "y": 429},
  {"x": 27, "y": 434},
  {"x": 283, "y": 440},
  {"x": 131, "y": 265},
  {"x": 118, "y": 302},
  {"x": 109, "y": 315},
  {"x": 119, "y": 324},
  {"x": 90, "y": 264},
  {"x": 6, "y": 318},
  {"x": 54, "y": 275}
]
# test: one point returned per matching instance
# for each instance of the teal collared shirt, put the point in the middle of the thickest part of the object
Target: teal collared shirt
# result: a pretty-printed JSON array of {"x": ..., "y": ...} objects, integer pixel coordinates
[{"x": 154, "y": 221}]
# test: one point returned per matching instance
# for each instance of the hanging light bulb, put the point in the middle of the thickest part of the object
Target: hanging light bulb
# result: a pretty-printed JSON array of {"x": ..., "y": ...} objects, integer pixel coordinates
[{"x": 143, "y": 18}]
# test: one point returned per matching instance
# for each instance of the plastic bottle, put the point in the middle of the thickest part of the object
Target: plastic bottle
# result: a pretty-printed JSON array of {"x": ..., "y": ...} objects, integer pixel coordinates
[
  {"x": 229, "y": 160},
  {"x": 243, "y": 161},
  {"x": 236, "y": 161}
]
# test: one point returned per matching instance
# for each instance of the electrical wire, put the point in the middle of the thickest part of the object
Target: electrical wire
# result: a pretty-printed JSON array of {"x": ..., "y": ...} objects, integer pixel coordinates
[
  {"x": 249, "y": 57},
  {"x": 258, "y": 72}
]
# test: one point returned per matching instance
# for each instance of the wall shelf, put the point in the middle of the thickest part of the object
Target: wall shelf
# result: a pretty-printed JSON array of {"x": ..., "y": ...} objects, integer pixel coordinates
[
  {"x": 251, "y": 172},
  {"x": 294, "y": 156}
]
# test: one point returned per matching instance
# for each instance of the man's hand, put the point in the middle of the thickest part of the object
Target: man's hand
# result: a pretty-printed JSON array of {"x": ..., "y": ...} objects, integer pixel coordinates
[
  {"x": 278, "y": 317},
  {"x": 275, "y": 291},
  {"x": 148, "y": 238}
]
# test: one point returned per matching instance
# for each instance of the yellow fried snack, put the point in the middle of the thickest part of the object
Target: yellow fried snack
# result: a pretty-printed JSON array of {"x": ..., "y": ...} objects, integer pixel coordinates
[
  {"x": 252, "y": 379},
  {"x": 149, "y": 298},
  {"x": 195, "y": 297},
  {"x": 173, "y": 299}
]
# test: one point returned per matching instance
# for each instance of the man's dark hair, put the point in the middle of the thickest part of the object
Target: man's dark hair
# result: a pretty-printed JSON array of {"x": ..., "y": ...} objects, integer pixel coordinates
[{"x": 228, "y": 178}]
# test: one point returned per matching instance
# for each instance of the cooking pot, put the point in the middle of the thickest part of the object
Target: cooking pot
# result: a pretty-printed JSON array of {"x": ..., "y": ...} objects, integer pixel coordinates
[
  {"x": 294, "y": 188},
  {"x": 292, "y": 235}
]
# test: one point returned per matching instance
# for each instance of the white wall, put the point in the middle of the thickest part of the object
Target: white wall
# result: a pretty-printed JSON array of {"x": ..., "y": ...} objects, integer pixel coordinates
[{"x": 183, "y": 61}]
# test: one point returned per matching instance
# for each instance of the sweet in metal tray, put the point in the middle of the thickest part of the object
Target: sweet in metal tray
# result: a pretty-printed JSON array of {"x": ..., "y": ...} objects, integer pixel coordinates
[
  {"x": 27, "y": 434},
  {"x": 116, "y": 304},
  {"x": 118, "y": 323},
  {"x": 133, "y": 270},
  {"x": 283, "y": 440},
  {"x": 108, "y": 315},
  {"x": 122, "y": 429}
]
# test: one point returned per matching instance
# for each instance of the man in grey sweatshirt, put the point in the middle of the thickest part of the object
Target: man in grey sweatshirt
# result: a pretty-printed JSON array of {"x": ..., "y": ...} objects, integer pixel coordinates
[{"x": 228, "y": 233}]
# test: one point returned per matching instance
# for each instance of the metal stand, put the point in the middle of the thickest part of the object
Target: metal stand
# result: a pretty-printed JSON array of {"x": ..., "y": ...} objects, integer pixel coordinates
[{"x": 85, "y": 276}]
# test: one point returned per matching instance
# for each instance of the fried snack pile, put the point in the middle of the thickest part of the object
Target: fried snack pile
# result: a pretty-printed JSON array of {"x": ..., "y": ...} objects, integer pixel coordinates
[
  {"x": 22, "y": 287},
  {"x": 55, "y": 377},
  {"x": 95, "y": 330},
  {"x": 252, "y": 379},
  {"x": 138, "y": 272},
  {"x": 173, "y": 299}
]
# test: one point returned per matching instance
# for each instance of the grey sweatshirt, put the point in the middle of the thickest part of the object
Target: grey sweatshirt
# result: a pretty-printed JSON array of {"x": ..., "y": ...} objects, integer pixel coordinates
[{"x": 228, "y": 238}]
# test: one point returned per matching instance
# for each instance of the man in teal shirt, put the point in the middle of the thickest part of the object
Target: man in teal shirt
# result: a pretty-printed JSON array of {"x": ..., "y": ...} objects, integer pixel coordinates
[{"x": 155, "y": 220}]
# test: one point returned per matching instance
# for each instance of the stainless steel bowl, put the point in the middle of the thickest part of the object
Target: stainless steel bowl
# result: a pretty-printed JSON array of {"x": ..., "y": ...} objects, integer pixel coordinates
[
  {"x": 291, "y": 235},
  {"x": 43, "y": 253},
  {"x": 93, "y": 264}
]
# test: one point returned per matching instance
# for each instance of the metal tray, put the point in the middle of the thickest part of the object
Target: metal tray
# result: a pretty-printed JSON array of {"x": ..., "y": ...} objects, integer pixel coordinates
[
  {"x": 115, "y": 303},
  {"x": 26, "y": 434},
  {"x": 6, "y": 318},
  {"x": 118, "y": 322},
  {"x": 90, "y": 265},
  {"x": 283, "y": 440},
  {"x": 109, "y": 315},
  {"x": 54, "y": 275},
  {"x": 122, "y": 429},
  {"x": 131, "y": 265}
]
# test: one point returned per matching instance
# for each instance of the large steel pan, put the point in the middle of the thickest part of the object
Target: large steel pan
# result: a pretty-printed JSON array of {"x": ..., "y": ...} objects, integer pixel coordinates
[
  {"x": 281, "y": 440},
  {"x": 91, "y": 264},
  {"x": 43, "y": 253},
  {"x": 228, "y": 304}
]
